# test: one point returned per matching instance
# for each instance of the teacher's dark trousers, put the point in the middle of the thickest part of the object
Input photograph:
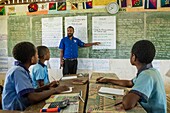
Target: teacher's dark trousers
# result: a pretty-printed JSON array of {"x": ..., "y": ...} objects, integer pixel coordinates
[{"x": 70, "y": 66}]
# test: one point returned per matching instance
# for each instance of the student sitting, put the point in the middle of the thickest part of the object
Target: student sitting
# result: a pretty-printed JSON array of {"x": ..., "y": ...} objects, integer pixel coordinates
[
  {"x": 147, "y": 86},
  {"x": 39, "y": 71},
  {"x": 18, "y": 92}
]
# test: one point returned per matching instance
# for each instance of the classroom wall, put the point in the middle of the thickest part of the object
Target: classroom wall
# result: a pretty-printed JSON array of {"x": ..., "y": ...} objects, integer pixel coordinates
[{"x": 120, "y": 66}]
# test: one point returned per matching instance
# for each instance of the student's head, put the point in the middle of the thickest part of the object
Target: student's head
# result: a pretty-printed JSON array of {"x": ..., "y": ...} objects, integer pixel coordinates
[
  {"x": 70, "y": 31},
  {"x": 25, "y": 52},
  {"x": 143, "y": 51},
  {"x": 43, "y": 52}
]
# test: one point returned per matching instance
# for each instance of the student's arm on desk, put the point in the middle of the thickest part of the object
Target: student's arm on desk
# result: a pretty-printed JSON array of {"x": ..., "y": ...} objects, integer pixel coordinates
[
  {"x": 130, "y": 101},
  {"x": 48, "y": 86},
  {"x": 39, "y": 96},
  {"x": 124, "y": 83}
]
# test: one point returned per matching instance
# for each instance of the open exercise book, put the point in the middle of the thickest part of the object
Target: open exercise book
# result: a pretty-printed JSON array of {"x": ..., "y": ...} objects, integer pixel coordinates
[{"x": 73, "y": 101}]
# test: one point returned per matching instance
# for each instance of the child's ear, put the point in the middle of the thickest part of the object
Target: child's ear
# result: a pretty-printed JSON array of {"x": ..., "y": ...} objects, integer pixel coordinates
[
  {"x": 133, "y": 57},
  {"x": 32, "y": 60}
]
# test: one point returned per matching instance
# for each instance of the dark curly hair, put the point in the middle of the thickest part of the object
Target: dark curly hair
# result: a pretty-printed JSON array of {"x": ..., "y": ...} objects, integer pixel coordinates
[
  {"x": 24, "y": 51},
  {"x": 144, "y": 50},
  {"x": 70, "y": 27},
  {"x": 42, "y": 50}
]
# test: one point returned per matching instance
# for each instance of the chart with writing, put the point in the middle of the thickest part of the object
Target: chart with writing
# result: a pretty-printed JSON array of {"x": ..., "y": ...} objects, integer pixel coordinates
[
  {"x": 104, "y": 31},
  {"x": 37, "y": 31},
  {"x": 18, "y": 30},
  {"x": 158, "y": 31},
  {"x": 130, "y": 27},
  {"x": 130, "y": 30},
  {"x": 80, "y": 26},
  {"x": 52, "y": 31}
]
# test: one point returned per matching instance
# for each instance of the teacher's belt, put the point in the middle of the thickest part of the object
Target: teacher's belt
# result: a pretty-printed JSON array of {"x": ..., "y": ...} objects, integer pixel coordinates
[{"x": 70, "y": 59}]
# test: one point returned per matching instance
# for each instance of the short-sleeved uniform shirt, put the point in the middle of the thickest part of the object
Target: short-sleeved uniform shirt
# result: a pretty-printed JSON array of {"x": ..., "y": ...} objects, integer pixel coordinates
[
  {"x": 39, "y": 72},
  {"x": 17, "y": 85},
  {"x": 70, "y": 47},
  {"x": 149, "y": 85}
]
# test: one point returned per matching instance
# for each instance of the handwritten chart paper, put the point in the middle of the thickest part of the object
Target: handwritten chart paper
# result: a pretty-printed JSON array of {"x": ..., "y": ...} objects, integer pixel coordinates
[
  {"x": 85, "y": 64},
  {"x": 80, "y": 26},
  {"x": 101, "y": 65},
  {"x": 104, "y": 31},
  {"x": 51, "y": 31}
]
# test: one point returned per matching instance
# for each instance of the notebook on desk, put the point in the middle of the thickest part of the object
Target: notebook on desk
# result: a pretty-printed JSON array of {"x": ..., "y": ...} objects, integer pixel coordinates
[
  {"x": 73, "y": 97},
  {"x": 68, "y": 77},
  {"x": 115, "y": 91}
]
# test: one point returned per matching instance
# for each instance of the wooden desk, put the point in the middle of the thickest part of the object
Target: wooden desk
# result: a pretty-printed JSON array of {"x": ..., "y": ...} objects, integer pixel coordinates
[
  {"x": 100, "y": 104},
  {"x": 8, "y": 111},
  {"x": 77, "y": 88}
]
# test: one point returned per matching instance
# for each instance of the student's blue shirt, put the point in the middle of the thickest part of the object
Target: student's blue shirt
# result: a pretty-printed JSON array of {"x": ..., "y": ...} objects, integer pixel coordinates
[
  {"x": 70, "y": 47},
  {"x": 39, "y": 72},
  {"x": 149, "y": 85},
  {"x": 17, "y": 85}
]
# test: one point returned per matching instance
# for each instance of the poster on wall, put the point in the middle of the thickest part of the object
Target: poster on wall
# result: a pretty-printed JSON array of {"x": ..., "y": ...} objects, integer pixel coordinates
[
  {"x": 74, "y": 6},
  {"x": 2, "y": 10},
  {"x": 3, "y": 53},
  {"x": 3, "y": 45},
  {"x": 104, "y": 31},
  {"x": 11, "y": 10},
  {"x": 165, "y": 3},
  {"x": 137, "y": 3},
  {"x": 52, "y": 31},
  {"x": 87, "y": 5},
  {"x": 101, "y": 65},
  {"x": 80, "y": 26},
  {"x": 150, "y": 4},
  {"x": 61, "y": 6},
  {"x": 102, "y": 2},
  {"x": 52, "y": 6},
  {"x": 85, "y": 64}
]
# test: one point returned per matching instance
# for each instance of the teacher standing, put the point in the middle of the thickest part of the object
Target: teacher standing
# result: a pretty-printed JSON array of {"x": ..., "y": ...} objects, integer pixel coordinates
[{"x": 69, "y": 51}]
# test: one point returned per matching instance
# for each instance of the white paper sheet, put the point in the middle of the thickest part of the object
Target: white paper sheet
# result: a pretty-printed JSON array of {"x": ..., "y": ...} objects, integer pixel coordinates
[
  {"x": 111, "y": 91},
  {"x": 68, "y": 78},
  {"x": 52, "y": 31},
  {"x": 80, "y": 26},
  {"x": 85, "y": 64},
  {"x": 101, "y": 65},
  {"x": 104, "y": 31}
]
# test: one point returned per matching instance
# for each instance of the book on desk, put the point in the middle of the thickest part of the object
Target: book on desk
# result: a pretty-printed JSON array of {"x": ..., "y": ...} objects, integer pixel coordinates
[
  {"x": 60, "y": 100},
  {"x": 108, "y": 90}
]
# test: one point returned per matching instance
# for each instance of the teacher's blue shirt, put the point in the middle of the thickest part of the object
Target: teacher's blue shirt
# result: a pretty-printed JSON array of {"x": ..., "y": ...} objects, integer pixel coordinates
[{"x": 70, "y": 47}]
